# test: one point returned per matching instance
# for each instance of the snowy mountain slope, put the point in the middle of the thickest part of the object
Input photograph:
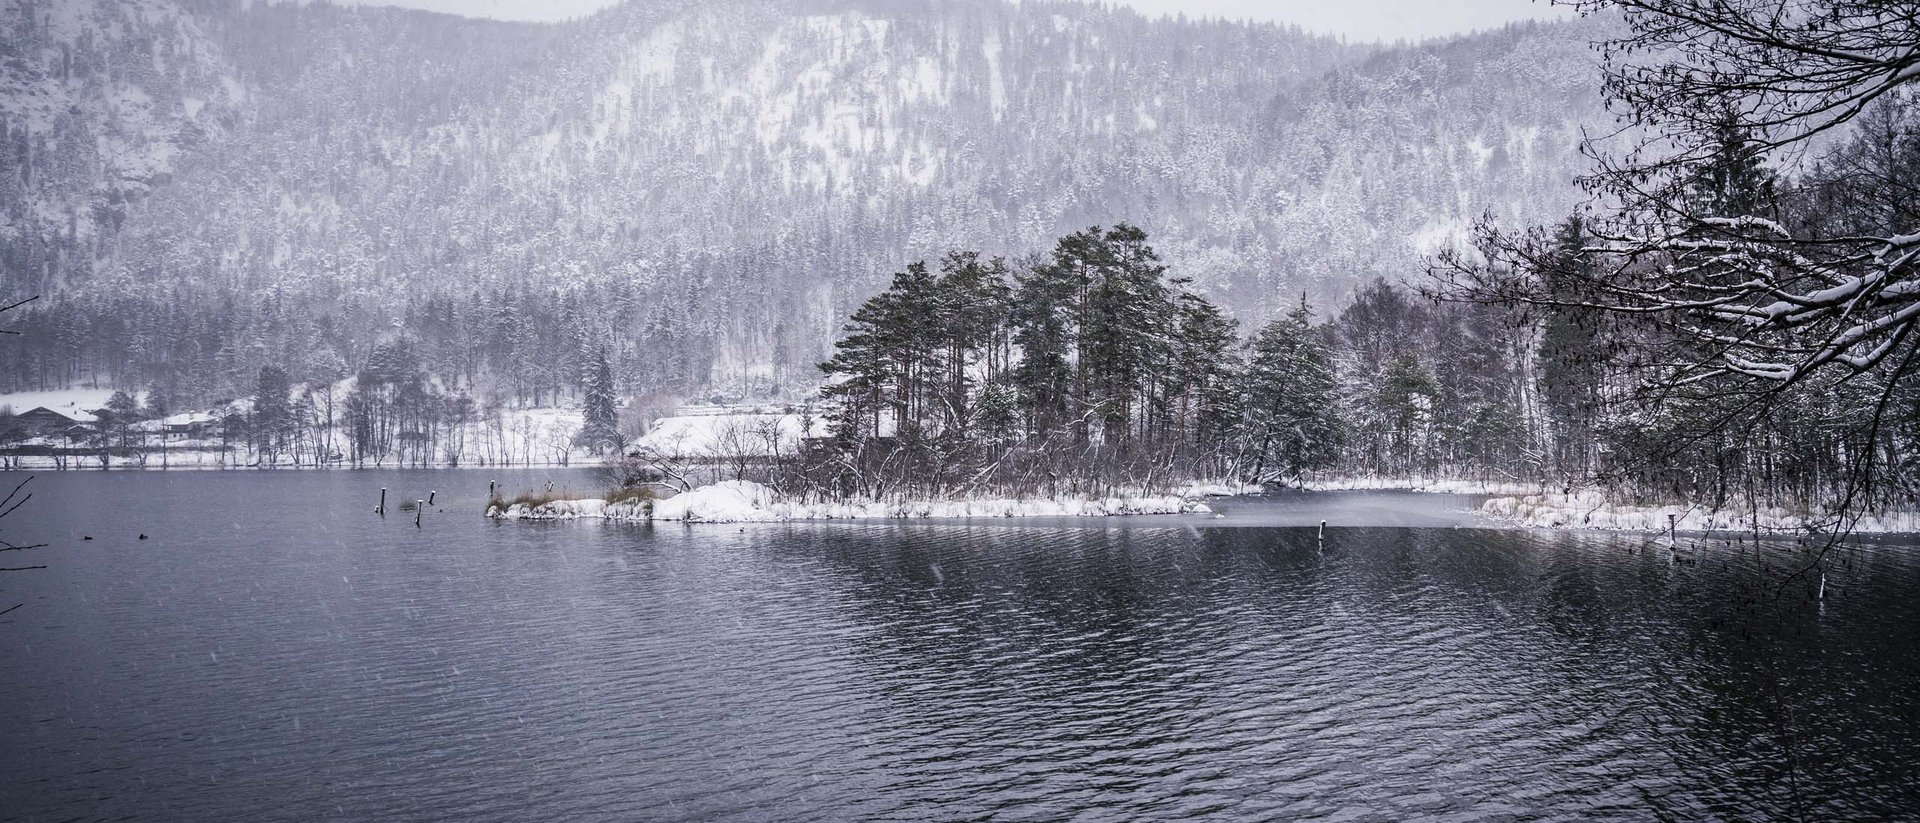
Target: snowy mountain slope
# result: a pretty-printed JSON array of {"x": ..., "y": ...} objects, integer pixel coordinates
[
  {"x": 718, "y": 184},
  {"x": 99, "y": 102}
]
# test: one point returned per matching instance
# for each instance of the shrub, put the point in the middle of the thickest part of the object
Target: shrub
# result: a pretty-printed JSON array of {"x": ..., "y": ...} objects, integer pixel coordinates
[
  {"x": 528, "y": 499},
  {"x": 635, "y": 494}
]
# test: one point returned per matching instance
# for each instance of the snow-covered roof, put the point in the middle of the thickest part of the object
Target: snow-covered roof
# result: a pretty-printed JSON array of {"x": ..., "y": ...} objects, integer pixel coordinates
[
  {"x": 74, "y": 415},
  {"x": 61, "y": 399},
  {"x": 188, "y": 419}
]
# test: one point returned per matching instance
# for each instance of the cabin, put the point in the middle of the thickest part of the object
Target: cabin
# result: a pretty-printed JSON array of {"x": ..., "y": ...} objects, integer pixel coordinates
[
  {"x": 190, "y": 426},
  {"x": 41, "y": 421}
]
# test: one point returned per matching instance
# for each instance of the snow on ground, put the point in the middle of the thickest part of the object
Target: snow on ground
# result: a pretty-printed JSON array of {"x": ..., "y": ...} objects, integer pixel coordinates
[
  {"x": 541, "y": 436},
  {"x": 742, "y": 501},
  {"x": 1591, "y": 510},
  {"x": 66, "y": 400},
  {"x": 1219, "y": 488},
  {"x": 520, "y": 437},
  {"x": 1420, "y": 484},
  {"x": 1528, "y": 504},
  {"x": 514, "y": 437},
  {"x": 727, "y": 432}
]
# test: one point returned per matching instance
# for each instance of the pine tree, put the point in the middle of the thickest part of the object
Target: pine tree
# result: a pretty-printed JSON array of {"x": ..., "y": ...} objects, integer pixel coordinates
[
  {"x": 972, "y": 309},
  {"x": 600, "y": 429},
  {"x": 891, "y": 360},
  {"x": 123, "y": 407},
  {"x": 1124, "y": 325},
  {"x": 1203, "y": 391},
  {"x": 1091, "y": 323},
  {"x": 1403, "y": 407},
  {"x": 121, "y": 413},
  {"x": 1291, "y": 423},
  {"x": 1044, "y": 329},
  {"x": 272, "y": 414},
  {"x": 1570, "y": 358},
  {"x": 1734, "y": 182}
]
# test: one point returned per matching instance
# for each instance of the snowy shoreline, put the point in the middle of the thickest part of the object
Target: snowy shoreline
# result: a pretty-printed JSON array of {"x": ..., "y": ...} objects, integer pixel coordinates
[
  {"x": 1531, "y": 505},
  {"x": 742, "y": 501},
  {"x": 1590, "y": 511},
  {"x": 1423, "y": 485},
  {"x": 93, "y": 465}
]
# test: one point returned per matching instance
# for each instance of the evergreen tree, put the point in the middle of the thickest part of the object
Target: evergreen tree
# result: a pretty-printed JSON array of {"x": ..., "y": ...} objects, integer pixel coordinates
[
  {"x": 600, "y": 430},
  {"x": 1570, "y": 358},
  {"x": 272, "y": 418},
  {"x": 1045, "y": 330},
  {"x": 1291, "y": 423},
  {"x": 1734, "y": 180},
  {"x": 972, "y": 310},
  {"x": 121, "y": 413},
  {"x": 891, "y": 364},
  {"x": 1203, "y": 377},
  {"x": 123, "y": 407},
  {"x": 1124, "y": 324},
  {"x": 159, "y": 400},
  {"x": 1403, "y": 408}
]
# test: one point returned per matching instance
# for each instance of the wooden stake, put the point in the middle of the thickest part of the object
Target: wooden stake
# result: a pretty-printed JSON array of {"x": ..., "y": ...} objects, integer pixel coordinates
[
  {"x": 418, "y": 507},
  {"x": 430, "y": 494},
  {"x": 382, "y": 508}
]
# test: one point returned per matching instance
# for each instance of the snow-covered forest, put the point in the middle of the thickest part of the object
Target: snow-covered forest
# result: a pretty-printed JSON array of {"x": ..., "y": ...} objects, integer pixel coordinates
[
  {"x": 1092, "y": 369},
  {"x": 1553, "y": 254},
  {"x": 705, "y": 191}
]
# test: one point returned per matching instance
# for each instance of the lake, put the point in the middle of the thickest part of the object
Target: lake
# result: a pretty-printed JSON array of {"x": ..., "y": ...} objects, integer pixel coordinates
[{"x": 276, "y": 651}]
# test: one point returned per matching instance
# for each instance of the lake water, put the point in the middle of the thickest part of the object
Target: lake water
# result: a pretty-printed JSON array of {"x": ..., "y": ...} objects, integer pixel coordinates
[{"x": 275, "y": 651}]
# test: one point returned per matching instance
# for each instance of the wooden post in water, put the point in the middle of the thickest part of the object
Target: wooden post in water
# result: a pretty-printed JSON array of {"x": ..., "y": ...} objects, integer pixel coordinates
[
  {"x": 430, "y": 495},
  {"x": 1323, "y": 530},
  {"x": 491, "y": 494},
  {"x": 382, "y": 508},
  {"x": 418, "y": 507}
]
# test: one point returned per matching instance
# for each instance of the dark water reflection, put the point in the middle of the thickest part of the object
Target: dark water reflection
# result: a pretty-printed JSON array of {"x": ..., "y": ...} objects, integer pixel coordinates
[{"x": 276, "y": 652}]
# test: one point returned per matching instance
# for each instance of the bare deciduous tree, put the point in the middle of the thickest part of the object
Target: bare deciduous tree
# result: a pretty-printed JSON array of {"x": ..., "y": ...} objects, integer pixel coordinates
[{"x": 1710, "y": 237}]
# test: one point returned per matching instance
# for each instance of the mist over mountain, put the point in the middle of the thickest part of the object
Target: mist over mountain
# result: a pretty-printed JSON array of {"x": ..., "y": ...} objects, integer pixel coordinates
[{"x": 707, "y": 189}]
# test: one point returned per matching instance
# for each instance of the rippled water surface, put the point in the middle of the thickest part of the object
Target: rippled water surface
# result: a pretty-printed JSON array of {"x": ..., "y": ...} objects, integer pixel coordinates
[{"x": 277, "y": 652}]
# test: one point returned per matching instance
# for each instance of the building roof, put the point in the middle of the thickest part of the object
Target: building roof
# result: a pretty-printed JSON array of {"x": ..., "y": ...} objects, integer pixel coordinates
[{"x": 72, "y": 415}]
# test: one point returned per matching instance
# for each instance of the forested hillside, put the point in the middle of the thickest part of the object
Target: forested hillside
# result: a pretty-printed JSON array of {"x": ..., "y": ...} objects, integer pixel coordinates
[{"x": 705, "y": 191}]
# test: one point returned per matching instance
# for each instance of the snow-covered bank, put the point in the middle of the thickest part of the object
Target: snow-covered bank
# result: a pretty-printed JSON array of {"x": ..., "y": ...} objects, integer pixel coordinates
[
  {"x": 531, "y": 437},
  {"x": 721, "y": 433},
  {"x": 1220, "y": 488},
  {"x": 742, "y": 501},
  {"x": 1591, "y": 510},
  {"x": 188, "y": 461},
  {"x": 1419, "y": 484}
]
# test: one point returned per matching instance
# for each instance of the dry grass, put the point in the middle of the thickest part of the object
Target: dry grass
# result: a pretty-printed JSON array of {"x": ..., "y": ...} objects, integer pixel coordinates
[
  {"x": 528, "y": 499},
  {"x": 636, "y": 495}
]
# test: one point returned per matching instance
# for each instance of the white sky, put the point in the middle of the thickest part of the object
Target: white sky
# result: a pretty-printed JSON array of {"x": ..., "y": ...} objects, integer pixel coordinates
[{"x": 1354, "y": 19}]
